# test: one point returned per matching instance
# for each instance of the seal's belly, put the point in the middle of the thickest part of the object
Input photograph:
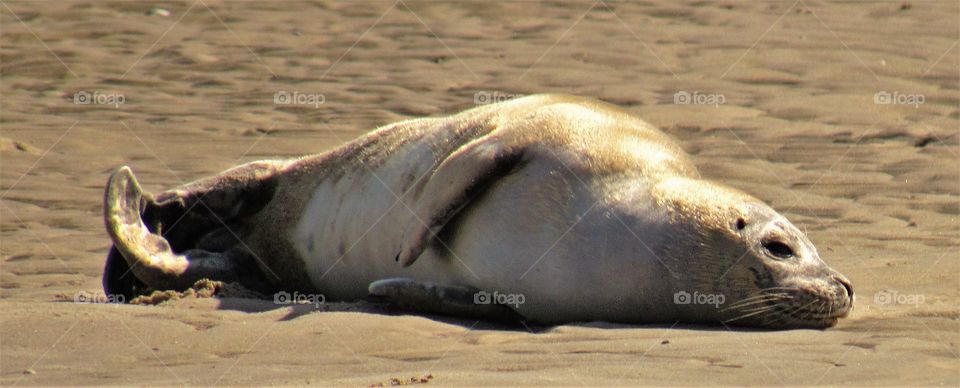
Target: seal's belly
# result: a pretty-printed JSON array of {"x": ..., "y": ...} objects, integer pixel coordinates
[{"x": 351, "y": 229}]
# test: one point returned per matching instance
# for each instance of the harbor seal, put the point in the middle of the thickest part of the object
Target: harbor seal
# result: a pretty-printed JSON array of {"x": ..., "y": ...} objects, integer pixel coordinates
[{"x": 547, "y": 208}]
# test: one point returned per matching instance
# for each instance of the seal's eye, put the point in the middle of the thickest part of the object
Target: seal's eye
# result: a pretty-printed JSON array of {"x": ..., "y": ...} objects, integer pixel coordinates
[{"x": 778, "y": 249}]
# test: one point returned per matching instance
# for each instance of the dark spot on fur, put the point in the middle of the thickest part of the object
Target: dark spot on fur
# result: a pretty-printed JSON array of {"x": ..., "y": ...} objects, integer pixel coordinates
[
  {"x": 741, "y": 223},
  {"x": 408, "y": 180},
  {"x": 761, "y": 279},
  {"x": 310, "y": 246}
]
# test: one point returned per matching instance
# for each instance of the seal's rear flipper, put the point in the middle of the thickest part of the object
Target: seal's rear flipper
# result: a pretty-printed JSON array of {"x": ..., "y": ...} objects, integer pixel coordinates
[
  {"x": 180, "y": 238},
  {"x": 430, "y": 298},
  {"x": 117, "y": 279}
]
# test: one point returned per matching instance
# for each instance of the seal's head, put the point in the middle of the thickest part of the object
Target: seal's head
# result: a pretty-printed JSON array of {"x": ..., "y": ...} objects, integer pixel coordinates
[{"x": 753, "y": 267}]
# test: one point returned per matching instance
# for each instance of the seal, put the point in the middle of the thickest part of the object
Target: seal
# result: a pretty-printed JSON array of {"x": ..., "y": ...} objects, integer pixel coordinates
[{"x": 547, "y": 208}]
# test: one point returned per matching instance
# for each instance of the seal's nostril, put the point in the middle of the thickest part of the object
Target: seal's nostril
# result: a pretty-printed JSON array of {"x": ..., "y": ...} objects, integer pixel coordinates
[{"x": 846, "y": 285}]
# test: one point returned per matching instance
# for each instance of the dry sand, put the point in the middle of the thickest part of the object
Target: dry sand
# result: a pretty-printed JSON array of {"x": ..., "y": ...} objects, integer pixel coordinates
[{"x": 875, "y": 185}]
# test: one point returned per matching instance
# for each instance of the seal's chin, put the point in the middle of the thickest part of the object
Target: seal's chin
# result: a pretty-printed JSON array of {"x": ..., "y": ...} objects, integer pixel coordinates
[{"x": 810, "y": 322}]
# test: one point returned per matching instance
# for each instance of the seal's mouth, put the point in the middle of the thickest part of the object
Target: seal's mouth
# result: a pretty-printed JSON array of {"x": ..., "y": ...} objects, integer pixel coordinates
[
  {"x": 791, "y": 308},
  {"x": 813, "y": 318}
]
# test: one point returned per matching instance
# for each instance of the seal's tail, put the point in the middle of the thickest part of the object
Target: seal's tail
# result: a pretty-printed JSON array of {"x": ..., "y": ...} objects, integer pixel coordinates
[{"x": 184, "y": 235}]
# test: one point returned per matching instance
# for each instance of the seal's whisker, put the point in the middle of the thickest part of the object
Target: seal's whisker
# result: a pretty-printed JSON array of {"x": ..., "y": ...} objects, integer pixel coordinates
[
  {"x": 798, "y": 312},
  {"x": 761, "y": 295},
  {"x": 781, "y": 315},
  {"x": 756, "y": 300},
  {"x": 784, "y": 309},
  {"x": 761, "y": 302},
  {"x": 744, "y": 316},
  {"x": 754, "y": 308},
  {"x": 777, "y": 307},
  {"x": 768, "y": 291},
  {"x": 754, "y": 303},
  {"x": 750, "y": 314},
  {"x": 791, "y": 288},
  {"x": 823, "y": 307},
  {"x": 821, "y": 314}
]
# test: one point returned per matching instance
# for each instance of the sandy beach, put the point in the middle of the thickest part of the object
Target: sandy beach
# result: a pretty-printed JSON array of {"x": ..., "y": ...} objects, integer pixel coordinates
[{"x": 845, "y": 117}]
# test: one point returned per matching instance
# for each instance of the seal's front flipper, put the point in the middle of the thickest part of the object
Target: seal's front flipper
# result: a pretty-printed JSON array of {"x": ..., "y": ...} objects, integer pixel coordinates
[
  {"x": 183, "y": 235},
  {"x": 430, "y": 298},
  {"x": 459, "y": 179}
]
